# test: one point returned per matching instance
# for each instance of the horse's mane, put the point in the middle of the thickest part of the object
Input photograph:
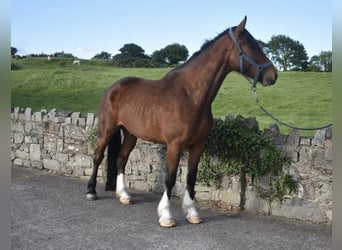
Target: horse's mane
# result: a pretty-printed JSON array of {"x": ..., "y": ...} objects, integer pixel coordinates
[{"x": 206, "y": 45}]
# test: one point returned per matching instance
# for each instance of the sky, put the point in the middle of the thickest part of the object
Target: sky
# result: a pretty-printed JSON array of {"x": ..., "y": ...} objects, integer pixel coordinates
[{"x": 85, "y": 28}]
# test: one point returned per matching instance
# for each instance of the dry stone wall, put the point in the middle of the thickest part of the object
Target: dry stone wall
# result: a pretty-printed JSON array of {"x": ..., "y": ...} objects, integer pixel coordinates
[{"x": 59, "y": 142}]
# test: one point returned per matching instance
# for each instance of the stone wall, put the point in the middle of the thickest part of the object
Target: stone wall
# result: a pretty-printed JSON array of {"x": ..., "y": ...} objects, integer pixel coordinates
[{"x": 59, "y": 142}]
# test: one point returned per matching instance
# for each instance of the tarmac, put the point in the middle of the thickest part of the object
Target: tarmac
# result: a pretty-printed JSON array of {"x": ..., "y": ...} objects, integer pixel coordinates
[{"x": 49, "y": 211}]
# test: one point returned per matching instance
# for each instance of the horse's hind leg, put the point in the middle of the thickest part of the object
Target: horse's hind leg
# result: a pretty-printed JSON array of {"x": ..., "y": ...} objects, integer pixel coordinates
[
  {"x": 188, "y": 206},
  {"x": 99, "y": 154},
  {"x": 127, "y": 146},
  {"x": 106, "y": 129}
]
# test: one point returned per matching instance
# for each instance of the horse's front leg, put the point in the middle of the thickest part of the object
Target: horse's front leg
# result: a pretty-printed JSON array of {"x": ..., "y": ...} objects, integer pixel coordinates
[
  {"x": 188, "y": 206},
  {"x": 172, "y": 158}
]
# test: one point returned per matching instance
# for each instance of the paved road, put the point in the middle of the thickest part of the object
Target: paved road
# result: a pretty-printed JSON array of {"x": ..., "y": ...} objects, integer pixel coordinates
[{"x": 50, "y": 212}]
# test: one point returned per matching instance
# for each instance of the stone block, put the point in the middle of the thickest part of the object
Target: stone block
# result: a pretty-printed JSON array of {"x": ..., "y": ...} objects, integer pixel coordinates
[
  {"x": 294, "y": 137},
  {"x": 305, "y": 141},
  {"x": 51, "y": 164},
  {"x": 255, "y": 203},
  {"x": 81, "y": 121},
  {"x": 83, "y": 161},
  {"x": 88, "y": 171},
  {"x": 328, "y": 133},
  {"x": 37, "y": 116},
  {"x": 319, "y": 138},
  {"x": 37, "y": 129},
  {"x": 78, "y": 148},
  {"x": 16, "y": 112},
  {"x": 60, "y": 145},
  {"x": 18, "y": 137},
  {"x": 50, "y": 143},
  {"x": 21, "y": 115},
  {"x": 90, "y": 119},
  {"x": 230, "y": 197},
  {"x": 59, "y": 119},
  {"x": 28, "y": 139},
  {"x": 305, "y": 156},
  {"x": 22, "y": 155},
  {"x": 203, "y": 196},
  {"x": 68, "y": 120},
  {"x": 73, "y": 131},
  {"x": 37, "y": 164},
  {"x": 18, "y": 127},
  {"x": 141, "y": 185},
  {"x": 35, "y": 152},
  {"x": 144, "y": 167},
  {"x": 66, "y": 169},
  {"x": 51, "y": 128},
  {"x": 328, "y": 151},
  {"x": 18, "y": 162},
  {"x": 28, "y": 114},
  {"x": 299, "y": 209},
  {"x": 74, "y": 117},
  {"x": 62, "y": 157}
]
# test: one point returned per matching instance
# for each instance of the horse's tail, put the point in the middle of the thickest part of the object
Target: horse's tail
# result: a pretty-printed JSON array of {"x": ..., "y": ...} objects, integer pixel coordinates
[{"x": 114, "y": 146}]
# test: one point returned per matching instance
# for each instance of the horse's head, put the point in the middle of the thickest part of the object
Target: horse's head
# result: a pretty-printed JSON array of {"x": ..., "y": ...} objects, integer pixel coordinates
[{"x": 248, "y": 58}]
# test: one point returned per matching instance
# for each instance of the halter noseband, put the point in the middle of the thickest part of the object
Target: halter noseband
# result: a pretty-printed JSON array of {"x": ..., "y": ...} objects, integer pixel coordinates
[{"x": 259, "y": 67}]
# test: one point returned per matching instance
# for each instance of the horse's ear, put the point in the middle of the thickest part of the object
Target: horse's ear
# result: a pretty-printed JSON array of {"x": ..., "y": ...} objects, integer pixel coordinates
[{"x": 241, "y": 26}]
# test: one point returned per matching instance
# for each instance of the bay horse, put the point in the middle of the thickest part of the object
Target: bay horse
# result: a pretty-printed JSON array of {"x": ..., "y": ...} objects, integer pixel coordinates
[{"x": 176, "y": 111}]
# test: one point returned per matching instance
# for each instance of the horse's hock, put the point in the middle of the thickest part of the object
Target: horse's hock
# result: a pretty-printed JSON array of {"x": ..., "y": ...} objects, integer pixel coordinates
[{"x": 59, "y": 142}]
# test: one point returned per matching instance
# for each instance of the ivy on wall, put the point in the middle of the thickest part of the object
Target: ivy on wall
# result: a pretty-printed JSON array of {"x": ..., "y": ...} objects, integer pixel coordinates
[{"x": 238, "y": 147}]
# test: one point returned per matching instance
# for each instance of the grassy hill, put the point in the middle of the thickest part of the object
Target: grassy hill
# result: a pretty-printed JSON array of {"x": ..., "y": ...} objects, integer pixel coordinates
[{"x": 299, "y": 98}]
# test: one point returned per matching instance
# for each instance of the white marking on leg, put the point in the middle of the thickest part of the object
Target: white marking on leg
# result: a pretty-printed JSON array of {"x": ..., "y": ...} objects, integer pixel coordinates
[
  {"x": 189, "y": 206},
  {"x": 190, "y": 209},
  {"x": 121, "y": 189},
  {"x": 164, "y": 208}
]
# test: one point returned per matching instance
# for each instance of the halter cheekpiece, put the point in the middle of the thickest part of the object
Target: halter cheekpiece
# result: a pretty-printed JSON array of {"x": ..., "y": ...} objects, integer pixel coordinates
[{"x": 243, "y": 56}]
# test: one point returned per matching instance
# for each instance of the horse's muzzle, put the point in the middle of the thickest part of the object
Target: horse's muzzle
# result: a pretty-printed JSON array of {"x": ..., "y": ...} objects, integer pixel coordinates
[{"x": 269, "y": 77}]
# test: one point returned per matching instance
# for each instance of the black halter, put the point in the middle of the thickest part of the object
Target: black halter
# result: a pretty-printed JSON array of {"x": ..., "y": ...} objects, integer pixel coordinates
[{"x": 259, "y": 68}]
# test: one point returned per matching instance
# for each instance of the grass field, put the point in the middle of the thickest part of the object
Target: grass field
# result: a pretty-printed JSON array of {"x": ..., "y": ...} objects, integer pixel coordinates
[{"x": 299, "y": 98}]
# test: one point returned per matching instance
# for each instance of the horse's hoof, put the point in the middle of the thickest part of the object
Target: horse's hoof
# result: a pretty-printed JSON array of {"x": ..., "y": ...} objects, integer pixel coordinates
[
  {"x": 167, "y": 223},
  {"x": 194, "y": 219},
  {"x": 91, "y": 197},
  {"x": 126, "y": 201}
]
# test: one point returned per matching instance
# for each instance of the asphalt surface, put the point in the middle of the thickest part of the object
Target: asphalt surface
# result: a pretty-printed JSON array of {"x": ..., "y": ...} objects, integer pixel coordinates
[{"x": 51, "y": 212}]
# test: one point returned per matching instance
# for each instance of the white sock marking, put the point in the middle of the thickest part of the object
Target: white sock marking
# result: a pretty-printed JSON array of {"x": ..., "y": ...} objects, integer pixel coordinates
[
  {"x": 189, "y": 206},
  {"x": 121, "y": 188},
  {"x": 164, "y": 208}
]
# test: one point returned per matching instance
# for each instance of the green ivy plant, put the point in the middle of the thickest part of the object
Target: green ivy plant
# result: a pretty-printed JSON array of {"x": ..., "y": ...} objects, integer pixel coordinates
[{"x": 238, "y": 147}]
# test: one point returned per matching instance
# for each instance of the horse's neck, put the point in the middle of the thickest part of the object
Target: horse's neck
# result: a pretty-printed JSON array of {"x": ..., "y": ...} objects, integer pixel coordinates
[{"x": 205, "y": 73}]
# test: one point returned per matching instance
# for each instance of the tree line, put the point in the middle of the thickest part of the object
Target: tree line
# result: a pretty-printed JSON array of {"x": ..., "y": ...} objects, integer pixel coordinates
[
  {"x": 285, "y": 52},
  {"x": 132, "y": 55}
]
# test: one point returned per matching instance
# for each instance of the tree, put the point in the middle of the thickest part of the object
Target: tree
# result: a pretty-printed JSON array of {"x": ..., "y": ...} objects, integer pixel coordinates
[
  {"x": 322, "y": 62},
  {"x": 103, "y": 55},
  {"x": 13, "y": 51},
  {"x": 287, "y": 53},
  {"x": 159, "y": 58},
  {"x": 133, "y": 50},
  {"x": 170, "y": 55},
  {"x": 131, "y": 55}
]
